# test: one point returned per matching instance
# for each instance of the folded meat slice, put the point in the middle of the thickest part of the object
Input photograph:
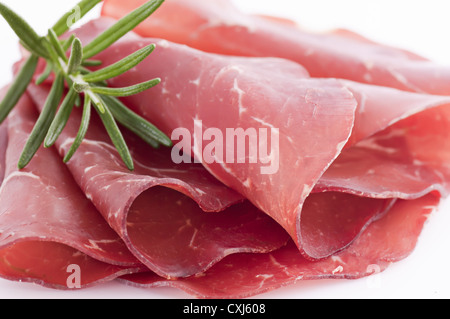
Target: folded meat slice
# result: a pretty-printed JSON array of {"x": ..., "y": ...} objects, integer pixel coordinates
[
  {"x": 398, "y": 148},
  {"x": 407, "y": 160},
  {"x": 389, "y": 239},
  {"x": 314, "y": 119},
  {"x": 381, "y": 107},
  {"x": 177, "y": 220},
  {"x": 315, "y": 122},
  {"x": 46, "y": 223},
  {"x": 245, "y": 93},
  {"x": 218, "y": 26},
  {"x": 57, "y": 266}
]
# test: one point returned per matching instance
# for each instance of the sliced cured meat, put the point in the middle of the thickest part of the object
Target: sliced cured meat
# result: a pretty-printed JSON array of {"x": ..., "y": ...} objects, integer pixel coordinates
[
  {"x": 204, "y": 227},
  {"x": 380, "y": 107},
  {"x": 387, "y": 240},
  {"x": 398, "y": 148},
  {"x": 160, "y": 210},
  {"x": 46, "y": 222},
  {"x": 396, "y": 162},
  {"x": 232, "y": 92},
  {"x": 217, "y": 26},
  {"x": 55, "y": 207},
  {"x": 56, "y": 266},
  {"x": 316, "y": 118},
  {"x": 330, "y": 221}
]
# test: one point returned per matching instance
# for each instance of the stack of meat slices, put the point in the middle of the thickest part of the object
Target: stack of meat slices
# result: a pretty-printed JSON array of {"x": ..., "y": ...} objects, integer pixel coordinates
[{"x": 363, "y": 134}]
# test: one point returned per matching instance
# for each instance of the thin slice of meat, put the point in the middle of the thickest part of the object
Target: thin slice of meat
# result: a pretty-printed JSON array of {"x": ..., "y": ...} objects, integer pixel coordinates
[
  {"x": 331, "y": 221},
  {"x": 381, "y": 107},
  {"x": 389, "y": 239},
  {"x": 218, "y": 26},
  {"x": 46, "y": 222},
  {"x": 178, "y": 220},
  {"x": 407, "y": 160},
  {"x": 315, "y": 122},
  {"x": 168, "y": 228},
  {"x": 42, "y": 201},
  {"x": 398, "y": 148},
  {"x": 314, "y": 119},
  {"x": 223, "y": 92},
  {"x": 57, "y": 266}
]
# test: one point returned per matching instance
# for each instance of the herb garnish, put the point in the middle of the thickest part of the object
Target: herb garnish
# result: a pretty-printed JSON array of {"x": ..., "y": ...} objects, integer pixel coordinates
[{"x": 81, "y": 82}]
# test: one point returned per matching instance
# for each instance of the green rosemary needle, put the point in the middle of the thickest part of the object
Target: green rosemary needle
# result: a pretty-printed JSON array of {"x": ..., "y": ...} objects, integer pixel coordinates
[
  {"x": 56, "y": 45},
  {"x": 76, "y": 57},
  {"x": 44, "y": 76},
  {"x": 115, "y": 134},
  {"x": 82, "y": 83},
  {"x": 125, "y": 91},
  {"x": 86, "y": 117},
  {"x": 18, "y": 87},
  {"x": 26, "y": 34},
  {"x": 60, "y": 119},
  {"x": 43, "y": 123},
  {"x": 122, "y": 27},
  {"x": 78, "y": 12},
  {"x": 120, "y": 67}
]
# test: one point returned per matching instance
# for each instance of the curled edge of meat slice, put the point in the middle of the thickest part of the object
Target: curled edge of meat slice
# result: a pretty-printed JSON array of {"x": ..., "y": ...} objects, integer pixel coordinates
[
  {"x": 177, "y": 220},
  {"x": 387, "y": 240}
]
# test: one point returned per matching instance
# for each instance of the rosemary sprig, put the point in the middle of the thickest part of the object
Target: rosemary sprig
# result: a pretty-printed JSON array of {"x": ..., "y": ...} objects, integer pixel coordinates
[{"x": 82, "y": 83}]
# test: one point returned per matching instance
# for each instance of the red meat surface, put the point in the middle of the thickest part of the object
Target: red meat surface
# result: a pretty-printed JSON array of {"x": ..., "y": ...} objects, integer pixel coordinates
[
  {"x": 360, "y": 163},
  {"x": 47, "y": 223},
  {"x": 218, "y": 26},
  {"x": 176, "y": 219},
  {"x": 319, "y": 120}
]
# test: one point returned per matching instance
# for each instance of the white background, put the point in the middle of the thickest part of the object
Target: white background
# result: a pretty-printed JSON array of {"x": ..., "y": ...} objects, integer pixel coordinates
[{"x": 420, "y": 26}]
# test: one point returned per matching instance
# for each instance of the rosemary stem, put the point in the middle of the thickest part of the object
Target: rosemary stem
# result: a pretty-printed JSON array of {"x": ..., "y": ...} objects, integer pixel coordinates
[{"x": 71, "y": 70}]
